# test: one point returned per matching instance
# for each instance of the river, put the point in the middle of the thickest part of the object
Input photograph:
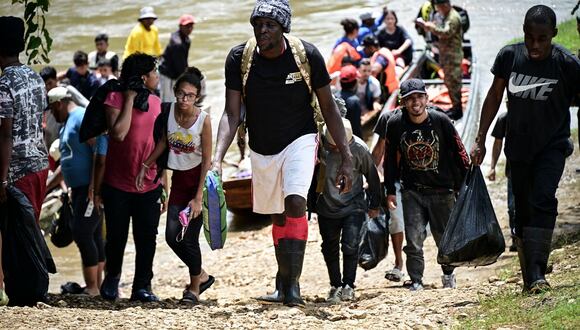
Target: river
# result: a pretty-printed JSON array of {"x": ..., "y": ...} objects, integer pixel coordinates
[{"x": 221, "y": 25}]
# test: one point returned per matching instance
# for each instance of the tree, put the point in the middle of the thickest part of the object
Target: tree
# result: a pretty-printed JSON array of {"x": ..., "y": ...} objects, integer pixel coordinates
[{"x": 37, "y": 38}]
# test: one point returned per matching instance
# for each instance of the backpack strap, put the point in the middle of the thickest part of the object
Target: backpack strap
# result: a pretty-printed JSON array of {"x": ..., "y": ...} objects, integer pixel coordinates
[
  {"x": 247, "y": 57},
  {"x": 299, "y": 53}
]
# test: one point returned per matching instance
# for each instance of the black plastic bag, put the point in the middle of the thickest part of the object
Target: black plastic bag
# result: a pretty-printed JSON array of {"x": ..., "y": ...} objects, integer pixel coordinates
[
  {"x": 374, "y": 242},
  {"x": 61, "y": 231},
  {"x": 26, "y": 260},
  {"x": 473, "y": 236}
]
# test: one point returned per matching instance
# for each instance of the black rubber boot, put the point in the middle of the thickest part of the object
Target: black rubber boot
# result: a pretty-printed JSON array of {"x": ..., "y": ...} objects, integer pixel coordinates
[
  {"x": 537, "y": 243},
  {"x": 292, "y": 253},
  {"x": 278, "y": 295},
  {"x": 522, "y": 258}
]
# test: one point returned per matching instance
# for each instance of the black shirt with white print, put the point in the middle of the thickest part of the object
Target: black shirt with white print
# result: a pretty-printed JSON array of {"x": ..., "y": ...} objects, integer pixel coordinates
[
  {"x": 539, "y": 98},
  {"x": 431, "y": 154},
  {"x": 278, "y": 109}
]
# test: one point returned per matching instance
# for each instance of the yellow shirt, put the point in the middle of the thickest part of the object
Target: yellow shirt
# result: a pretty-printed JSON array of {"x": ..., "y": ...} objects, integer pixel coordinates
[{"x": 141, "y": 40}]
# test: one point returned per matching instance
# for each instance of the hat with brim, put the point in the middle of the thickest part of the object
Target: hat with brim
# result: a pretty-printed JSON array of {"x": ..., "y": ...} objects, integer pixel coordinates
[
  {"x": 412, "y": 86},
  {"x": 147, "y": 12}
]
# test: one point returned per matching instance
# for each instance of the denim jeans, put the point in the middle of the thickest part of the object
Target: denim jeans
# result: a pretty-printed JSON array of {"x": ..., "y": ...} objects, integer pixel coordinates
[
  {"x": 330, "y": 230},
  {"x": 420, "y": 209},
  {"x": 144, "y": 208}
]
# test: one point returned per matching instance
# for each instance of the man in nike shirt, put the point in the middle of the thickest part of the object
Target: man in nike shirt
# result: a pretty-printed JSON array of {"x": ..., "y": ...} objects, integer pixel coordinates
[{"x": 541, "y": 79}]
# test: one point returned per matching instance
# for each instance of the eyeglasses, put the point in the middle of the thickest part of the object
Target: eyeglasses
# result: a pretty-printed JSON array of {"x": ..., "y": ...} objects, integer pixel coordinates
[{"x": 185, "y": 97}]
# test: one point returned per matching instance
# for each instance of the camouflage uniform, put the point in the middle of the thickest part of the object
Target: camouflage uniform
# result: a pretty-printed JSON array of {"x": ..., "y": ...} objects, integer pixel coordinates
[{"x": 450, "y": 35}]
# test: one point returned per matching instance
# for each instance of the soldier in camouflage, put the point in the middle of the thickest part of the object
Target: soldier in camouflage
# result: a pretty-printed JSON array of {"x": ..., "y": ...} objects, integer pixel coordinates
[{"x": 447, "y": 27}]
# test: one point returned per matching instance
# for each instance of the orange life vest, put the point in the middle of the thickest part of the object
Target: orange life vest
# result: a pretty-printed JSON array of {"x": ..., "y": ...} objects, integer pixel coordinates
[
  {"x": 391, "y": 80},
  {"x": 338, "y": 53}
]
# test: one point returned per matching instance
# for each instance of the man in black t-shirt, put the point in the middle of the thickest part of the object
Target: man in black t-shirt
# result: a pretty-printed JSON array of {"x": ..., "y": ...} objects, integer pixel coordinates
[
  {"x": 498, "y": 133},
  {"x": 541, "y": 79},
  {"x": 283, "y": 134},
  {"x": 424, "y": 151}
]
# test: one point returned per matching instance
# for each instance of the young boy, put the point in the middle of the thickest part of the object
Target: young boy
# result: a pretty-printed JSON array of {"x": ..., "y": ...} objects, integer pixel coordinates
[
  {"x": 80, "y": 77},
  {"x": 345, "y": 213}
]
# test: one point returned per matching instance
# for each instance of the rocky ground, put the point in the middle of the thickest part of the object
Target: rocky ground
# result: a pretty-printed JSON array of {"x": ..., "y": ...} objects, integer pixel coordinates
[{"x": 246, "y": 268}]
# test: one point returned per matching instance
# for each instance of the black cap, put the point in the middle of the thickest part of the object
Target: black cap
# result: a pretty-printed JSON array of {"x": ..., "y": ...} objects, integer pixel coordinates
[
  {"x": 370, "y": 40},
  {"x": 412, "y": 86},
  {"x": 12, "y": 36},
  {"x": 439, "y": 2}
]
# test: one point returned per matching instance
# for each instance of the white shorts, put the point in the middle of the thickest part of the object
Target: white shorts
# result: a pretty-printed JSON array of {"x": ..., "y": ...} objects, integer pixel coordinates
[
  {"x": 396, "y": 222},
  {"x": 274, "y": 177}
]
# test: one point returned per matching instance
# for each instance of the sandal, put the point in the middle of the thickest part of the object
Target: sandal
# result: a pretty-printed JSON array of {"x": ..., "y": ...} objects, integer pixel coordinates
[
  {"x": 394, "y": 275},
  {"x": 207, "y": 284},
  {"x": 189, "y": 298},
  {"x": 71, "y": 288}
]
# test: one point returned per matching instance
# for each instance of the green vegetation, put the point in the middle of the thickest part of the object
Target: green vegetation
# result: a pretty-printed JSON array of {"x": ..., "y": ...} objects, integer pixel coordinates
[
  {"x": 567, "y": 36},
  {"x": 557, "y": 309}
]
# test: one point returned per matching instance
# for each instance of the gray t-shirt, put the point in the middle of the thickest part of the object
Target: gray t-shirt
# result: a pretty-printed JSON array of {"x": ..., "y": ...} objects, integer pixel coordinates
[
  {"x": 331, "y": 203},
  {"x": 23, "y": 98}
]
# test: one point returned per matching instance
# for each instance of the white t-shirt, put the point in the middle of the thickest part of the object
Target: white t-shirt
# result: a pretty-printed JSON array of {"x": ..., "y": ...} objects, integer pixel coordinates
[
  {"x": 374, "y": 89},
  {"x": 184, "y": 143}
]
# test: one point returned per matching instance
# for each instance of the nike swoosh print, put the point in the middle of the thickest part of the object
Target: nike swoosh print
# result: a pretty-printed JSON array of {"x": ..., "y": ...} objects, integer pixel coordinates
[{"x": 514, "y": 89}]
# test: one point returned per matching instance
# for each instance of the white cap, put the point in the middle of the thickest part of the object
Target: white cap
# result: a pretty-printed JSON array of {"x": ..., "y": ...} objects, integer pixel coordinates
[
  {"x": 347, "y": 132},
  {"x": 57, "y": 94},
  {"x": 147, "y": 12}
]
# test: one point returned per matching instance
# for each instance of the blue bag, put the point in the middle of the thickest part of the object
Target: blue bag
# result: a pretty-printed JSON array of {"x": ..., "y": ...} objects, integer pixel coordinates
[{"x": 215, "y": 225}]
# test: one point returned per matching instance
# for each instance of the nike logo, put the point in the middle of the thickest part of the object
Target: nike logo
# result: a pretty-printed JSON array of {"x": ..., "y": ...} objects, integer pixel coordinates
[
  {"x": 514, "y": 89},
  {"x": 530, "y": 87}
]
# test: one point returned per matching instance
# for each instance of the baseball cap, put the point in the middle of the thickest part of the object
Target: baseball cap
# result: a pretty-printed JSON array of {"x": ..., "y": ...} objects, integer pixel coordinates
[
  {"x": 365, "y": 16},
  {"x": 348, "y": 73},
  {"x": 186, "y": 19},
  {"x": 412, "y": 86},
  {"x": 147, "y": 12},
  {"x": 57, "y": 94}
]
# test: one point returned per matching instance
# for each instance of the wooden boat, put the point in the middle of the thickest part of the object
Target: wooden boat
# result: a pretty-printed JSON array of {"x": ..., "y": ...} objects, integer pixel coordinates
[{"x": 425, "y": 68}]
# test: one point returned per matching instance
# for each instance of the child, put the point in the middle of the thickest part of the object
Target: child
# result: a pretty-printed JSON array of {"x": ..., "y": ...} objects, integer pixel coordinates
[
  {"x": 187, "y": 136},
  {"x": 345, "y": 213}
]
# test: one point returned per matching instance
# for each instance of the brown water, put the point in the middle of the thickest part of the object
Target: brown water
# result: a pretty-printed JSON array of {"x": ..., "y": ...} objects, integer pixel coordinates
[{"x": 223, "y": 24}]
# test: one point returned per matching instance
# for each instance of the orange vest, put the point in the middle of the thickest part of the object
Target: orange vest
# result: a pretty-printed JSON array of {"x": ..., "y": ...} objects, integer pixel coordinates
[
  {"x": 344, "y": 49},
  {"x": 391, "y": 80}
]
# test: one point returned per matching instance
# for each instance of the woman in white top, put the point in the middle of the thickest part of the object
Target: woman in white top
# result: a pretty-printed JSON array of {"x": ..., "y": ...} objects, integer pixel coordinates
[{"x": 187, "y": 138}]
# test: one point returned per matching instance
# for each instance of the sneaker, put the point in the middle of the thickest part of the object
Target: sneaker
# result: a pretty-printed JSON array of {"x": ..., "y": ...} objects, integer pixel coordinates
[
  {"x": 334, "y": 295},
  {"x": 416, "y": 286},
  {"x": 143, "y": 295},
  {"x": 3, "y": 298},
  {"x": 448, "y": 281},
  {"x": 347, "y": 293}
]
